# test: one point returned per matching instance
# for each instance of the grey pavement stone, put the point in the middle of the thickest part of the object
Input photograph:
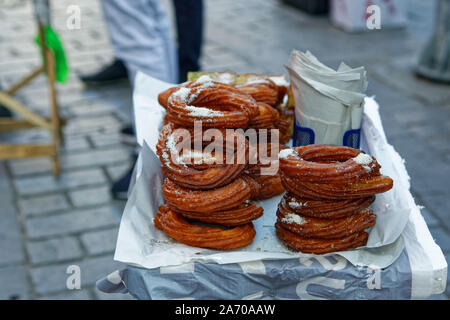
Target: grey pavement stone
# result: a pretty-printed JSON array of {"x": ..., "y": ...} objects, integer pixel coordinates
[
  {"x": 437, "y": 204},
  {"x": 81, "y": 294},
  {"x": 10, "y": 233},
  {"x": 14, "y": 283},
  {"x": 113, "y": 296},
  {"x": 94, "y": 158},
  {"x": 442, "y": 238},
  {"x": 74, "y": 222},
  {"x": 67, "y": 180},
  {"x": 90, "y": 196},
  {"x": 430, "y": 219},
  {"x": 52, "y": 279},
  {"x": 116, "y": 172},
  {"x": 98, "y": 242},
  {"x": 20, "y": 167},
  {"x": 54, "y": 250},
  {"x": 43, "y": 204}
]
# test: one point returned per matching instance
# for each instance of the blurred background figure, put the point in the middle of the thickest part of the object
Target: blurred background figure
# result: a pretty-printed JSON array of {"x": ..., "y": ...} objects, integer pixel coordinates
[{"x": 140, "y": 35}]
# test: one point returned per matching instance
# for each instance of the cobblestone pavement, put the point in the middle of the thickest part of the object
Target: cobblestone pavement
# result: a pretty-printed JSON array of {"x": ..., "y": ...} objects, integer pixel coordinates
[{"x": 49, "y": 224}]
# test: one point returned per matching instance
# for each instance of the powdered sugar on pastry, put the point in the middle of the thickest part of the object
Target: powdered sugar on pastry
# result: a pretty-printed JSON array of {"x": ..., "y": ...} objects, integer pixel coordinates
[
  {"x": 293, "y": 218},
  {"x": 203, "y": 112},
  {"x": 285, "y": 153},
  {"x": 363, "y": 159}
]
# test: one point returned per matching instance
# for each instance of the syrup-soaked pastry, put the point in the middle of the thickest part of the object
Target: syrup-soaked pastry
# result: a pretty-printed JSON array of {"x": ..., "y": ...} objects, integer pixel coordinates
[
  {"x": 262, "y": 90},
  {"x": 270, "y": 186},
  {"x": 331, "y": 172},
  {"x": 325, "y": 209},
  {"x": 163, "y": 97},
  {"x": 201, "y": 170},
  {"x": 178, "y": 228},
  {"x": 266, "y": 119},
  {"x": 215, "y": 104},
  {"x": 239, "y": 215},
  {"x": 337, "y": 191},
  {"x": 325, "y": 228},
  {"x": 327, "y": 163},
  {"x": 319, "y": 246},
  {"x": 220, "y": 199}
]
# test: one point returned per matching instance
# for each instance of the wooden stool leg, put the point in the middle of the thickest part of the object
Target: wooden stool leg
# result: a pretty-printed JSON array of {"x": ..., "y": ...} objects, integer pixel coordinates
[{"x": 55, "y": 119}]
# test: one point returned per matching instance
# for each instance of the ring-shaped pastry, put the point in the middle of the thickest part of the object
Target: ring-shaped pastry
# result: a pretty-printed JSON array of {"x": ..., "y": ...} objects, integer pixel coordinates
[{"x": 176, "y": 227}]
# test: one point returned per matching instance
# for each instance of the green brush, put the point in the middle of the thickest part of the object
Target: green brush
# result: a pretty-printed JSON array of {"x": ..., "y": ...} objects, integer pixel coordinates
[{"x": 55, "y": 45}]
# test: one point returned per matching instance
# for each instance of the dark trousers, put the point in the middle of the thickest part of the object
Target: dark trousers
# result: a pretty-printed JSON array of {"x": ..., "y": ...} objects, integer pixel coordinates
[{"x": 189, "y": 16}]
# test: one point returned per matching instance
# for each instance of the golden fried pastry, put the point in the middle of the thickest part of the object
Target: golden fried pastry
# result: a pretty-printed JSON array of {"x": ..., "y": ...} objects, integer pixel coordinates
[
  {"x": 220, "y": 199},
  {"x": 337, "y": 191},
  {"x": 325, "y": 209},
  {"x": 266, "y": 119},
  {"x": 242, "y": 214},
  {"x": 216, "y": 104},
  {"x": 163, "y": 97},
  {"x": 325, "y": 228},
  {"x": 319, "y": 246},
  {"x": 331, "y": 172},
  {"x": 262, "y": 90},
  {"x": 283, "y": 127},
  {"x": 270, "y": 186},
  {"x": 176, "y": 227},
  {"x": 327, "y": 163},
  {"x": 199, "y": 170}
]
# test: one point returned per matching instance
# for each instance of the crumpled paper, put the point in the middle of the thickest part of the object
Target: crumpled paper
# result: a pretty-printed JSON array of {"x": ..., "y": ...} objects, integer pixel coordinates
[
  {"x": 141, "y": 244},
  {"x": 327, "y": 101}
]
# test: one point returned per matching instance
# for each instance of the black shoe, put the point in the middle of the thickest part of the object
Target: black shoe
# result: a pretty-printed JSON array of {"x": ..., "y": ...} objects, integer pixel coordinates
[
  {"x": 128, "y": 136},
  {"x": 114, "y": 72},
  {"x": 5, "y": 113},
  {"x": 119, "y": 189}
]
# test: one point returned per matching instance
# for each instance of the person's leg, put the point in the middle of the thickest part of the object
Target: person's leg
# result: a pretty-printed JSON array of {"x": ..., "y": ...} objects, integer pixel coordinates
[
  {"x": 189, "y": 16},
  {"x": 140, "y": 35}
]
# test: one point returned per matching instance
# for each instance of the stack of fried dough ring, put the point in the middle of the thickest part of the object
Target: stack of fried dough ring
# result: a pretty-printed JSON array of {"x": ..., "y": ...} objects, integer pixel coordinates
[
  {"x": 329, "y": 191},
  {"x": 207, "y": 195}
]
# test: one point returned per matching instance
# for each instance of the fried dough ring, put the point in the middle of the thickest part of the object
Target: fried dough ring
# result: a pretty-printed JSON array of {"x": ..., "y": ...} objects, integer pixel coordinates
[
  {"x": 327, "y": 163},
  {"x": 325, "y": 209},
  {"x": 326, "y": 228},
  {"x": 198, "y": 176},
  {"x": 176, "y": 227},
  {"x": 242, "y": 214},
  {"x": 319, "y": 246},
  {"x": 263, "y": 90},
  {"x": 270, "y": 186},
  {"x": 216, "y": 104},
  {"x": 266, "y": 119},
  {"x": 337, "y": 191},
  {"x": 219, "y": 199}
]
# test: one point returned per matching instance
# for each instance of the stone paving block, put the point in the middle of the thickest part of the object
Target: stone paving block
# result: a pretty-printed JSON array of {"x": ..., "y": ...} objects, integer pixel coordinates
[
  {"x": 439, "y": 204},
  {"x": 116, "y": 172},
  {"x": 67, "y": 180},
  {"x": 54, "y": 250},
  {"x": 94, "y": 158},
  {"x": 10, "y": 233},
  {"x": 73, "y": 222},
  {"x": 113, "y": 296},
  {"x": 430, "y": 219},
  {"x": 14, "y": 283},
  {"x": 98, "y": 242},
  {"x": 442, "y": 238},
  {"x": 90, "y": 196},
  {"x": 82, "y": 294},
  {"x": 101, "y": 140},
  {"x": 77, "y": 126},
  {"x": 51, "y": 279},
  {"x": 43, "y": 204}
]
